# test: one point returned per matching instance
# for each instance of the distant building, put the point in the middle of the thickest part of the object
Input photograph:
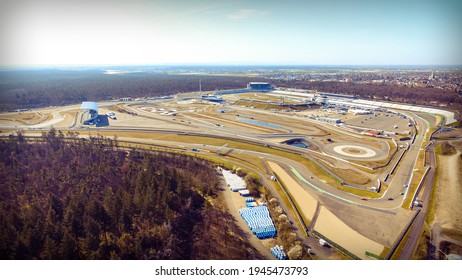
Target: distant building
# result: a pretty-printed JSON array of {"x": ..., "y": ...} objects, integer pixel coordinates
[
  {"x": 259, "y": 86},
  {"x": 319, "y": 99},
  {"x": 329, "y": 120},
  {"x": 360, "y": 111},
  {"x": 336, "y": 95},
  {"x": 89, "y": 112},
  {"x": 211, "y": 97}
]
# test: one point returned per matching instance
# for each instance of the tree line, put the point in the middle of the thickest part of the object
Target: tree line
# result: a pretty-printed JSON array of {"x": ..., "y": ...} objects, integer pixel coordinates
[
  {"x": 32, "y": 89},
  {"x": 65, "y": 197},
  {"x": 39, "y": 88}
]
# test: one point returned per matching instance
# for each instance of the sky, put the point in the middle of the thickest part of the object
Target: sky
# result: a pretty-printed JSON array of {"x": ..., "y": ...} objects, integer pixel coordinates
[{"x": 235, "y": 32}]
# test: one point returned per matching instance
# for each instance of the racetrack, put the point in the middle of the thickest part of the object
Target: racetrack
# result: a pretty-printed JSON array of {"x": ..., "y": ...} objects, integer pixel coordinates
[
  {"x": 305, "y": 202},
  {"x": 192, "y": 122}
]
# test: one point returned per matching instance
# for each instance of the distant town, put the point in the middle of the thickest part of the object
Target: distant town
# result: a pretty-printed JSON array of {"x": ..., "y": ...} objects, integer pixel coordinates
[{"x": 441, "y": 77}]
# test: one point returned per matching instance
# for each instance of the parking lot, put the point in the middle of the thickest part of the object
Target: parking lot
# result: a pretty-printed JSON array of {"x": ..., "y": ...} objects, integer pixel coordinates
[{"x": 381, "y": 121}]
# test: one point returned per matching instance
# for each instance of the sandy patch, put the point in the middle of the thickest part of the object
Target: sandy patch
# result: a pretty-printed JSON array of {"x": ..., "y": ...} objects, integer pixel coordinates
[
  {"x": 278, "y": 140},
  {"x": 336, "y": 230},
  {"x": 449, "y": 195},
  {"x": 305, "y": 202}
]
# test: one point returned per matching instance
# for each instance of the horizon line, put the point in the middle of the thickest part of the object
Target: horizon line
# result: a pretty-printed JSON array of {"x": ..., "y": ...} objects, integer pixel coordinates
[{"x": 54, "y": 66}]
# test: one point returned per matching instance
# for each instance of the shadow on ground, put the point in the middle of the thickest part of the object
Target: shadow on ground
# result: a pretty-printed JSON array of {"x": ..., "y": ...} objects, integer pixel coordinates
[{"x": 102, "y": 120}]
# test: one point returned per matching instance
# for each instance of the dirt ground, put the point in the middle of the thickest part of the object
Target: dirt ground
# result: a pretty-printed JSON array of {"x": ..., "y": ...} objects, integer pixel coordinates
[
  {"x": 23, "y": 118},
  {"x": 449, "y": 193},
  {"x": 336, "y": 230},
  {"x": 68, "y": 118},
  {"x": 234, "y": 202},
  {"x": 450, "y": 134},
  {"x": 306, "y": 203}
]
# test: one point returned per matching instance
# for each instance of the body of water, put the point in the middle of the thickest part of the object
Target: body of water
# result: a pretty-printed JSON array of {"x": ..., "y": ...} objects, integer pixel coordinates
[
  {"x": 259, "y": 123},
  {"x": 298, "y": 143}
]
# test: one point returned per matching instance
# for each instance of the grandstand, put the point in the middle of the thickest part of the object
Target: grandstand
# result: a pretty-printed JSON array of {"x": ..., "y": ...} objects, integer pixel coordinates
[
  {"x": 260, "y": 86},
  {"x": 89, "y": 112}
]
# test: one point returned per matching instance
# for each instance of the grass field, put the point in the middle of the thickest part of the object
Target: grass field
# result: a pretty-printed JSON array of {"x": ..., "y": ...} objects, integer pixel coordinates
[
  {"x": 298, "y": 195},
  {"x": 317, "y": 170}
]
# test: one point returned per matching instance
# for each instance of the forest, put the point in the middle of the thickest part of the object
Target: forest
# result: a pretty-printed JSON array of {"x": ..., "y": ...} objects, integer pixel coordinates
[
  {"x": 66, "y": 197},
  {"x": 27, "y": 89},
  {"x": 43, "y": 88}
]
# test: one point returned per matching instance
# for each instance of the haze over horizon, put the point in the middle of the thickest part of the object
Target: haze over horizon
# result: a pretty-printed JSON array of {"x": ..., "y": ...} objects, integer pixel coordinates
[{"x": 142, "y": 32}]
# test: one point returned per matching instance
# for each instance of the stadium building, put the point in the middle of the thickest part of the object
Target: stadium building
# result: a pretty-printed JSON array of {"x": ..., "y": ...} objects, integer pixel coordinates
[
  {"x": 260, "y": 86},
  {"x": 89, "y": 111}
]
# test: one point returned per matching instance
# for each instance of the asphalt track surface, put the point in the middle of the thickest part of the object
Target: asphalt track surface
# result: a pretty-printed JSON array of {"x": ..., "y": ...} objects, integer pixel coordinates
[
  {"x": 414, "y": 235},
  {"x": 398, "y": 183}
]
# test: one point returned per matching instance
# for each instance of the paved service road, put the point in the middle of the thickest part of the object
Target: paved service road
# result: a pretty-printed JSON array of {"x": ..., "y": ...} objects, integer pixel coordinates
[{"x": 414, "y": 234}]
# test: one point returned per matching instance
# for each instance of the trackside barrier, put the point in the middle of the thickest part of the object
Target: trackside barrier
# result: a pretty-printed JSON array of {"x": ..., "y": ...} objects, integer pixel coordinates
[
  {"x": 330, "y": 174},
  {"x": 391, "y": 157},
  {"x": 369, "y": 254},
  {"x": 434, "y": 132},
  {"x": 425, "y": 153},
  {"x": 413, "y": 139},
  {"x": 419, "y": 187},
  {"x": 336, "y": 246},
  {"x": 297, "y": 212},
  {"x": 401, "y": 236},
  {"x": 396, "y": 164},
  {"x": 386, "y": 177}
]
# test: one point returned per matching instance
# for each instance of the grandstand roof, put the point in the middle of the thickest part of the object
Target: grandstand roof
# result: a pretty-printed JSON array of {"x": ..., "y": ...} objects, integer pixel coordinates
[
  {"x": 89, "y": 106},
  {"x": 449, "y": 116}
]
